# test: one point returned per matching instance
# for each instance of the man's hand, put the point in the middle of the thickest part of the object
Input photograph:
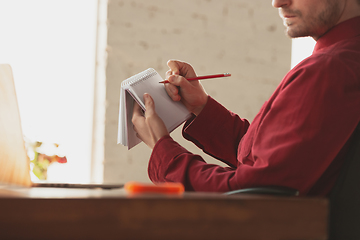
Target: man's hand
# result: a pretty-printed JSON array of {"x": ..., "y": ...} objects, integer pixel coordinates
[
  {"x": 192, "y": 94},
  {"x": 149, "y": 127}
]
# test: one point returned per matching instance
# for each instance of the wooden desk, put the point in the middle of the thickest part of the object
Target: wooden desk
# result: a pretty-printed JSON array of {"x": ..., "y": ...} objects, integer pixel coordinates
[{"x": 37, "y": 213}]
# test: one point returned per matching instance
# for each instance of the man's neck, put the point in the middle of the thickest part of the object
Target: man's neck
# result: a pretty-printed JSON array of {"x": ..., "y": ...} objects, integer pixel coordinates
[{"x": 351, "y": 10}]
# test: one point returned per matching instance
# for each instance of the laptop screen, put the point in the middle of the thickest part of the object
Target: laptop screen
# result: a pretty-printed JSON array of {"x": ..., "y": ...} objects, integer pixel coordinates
[{"x": 14, "y": 162}]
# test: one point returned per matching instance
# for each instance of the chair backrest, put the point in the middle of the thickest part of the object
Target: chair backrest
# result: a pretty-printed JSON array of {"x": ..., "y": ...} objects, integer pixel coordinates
[{"x": 345, "y": 196}]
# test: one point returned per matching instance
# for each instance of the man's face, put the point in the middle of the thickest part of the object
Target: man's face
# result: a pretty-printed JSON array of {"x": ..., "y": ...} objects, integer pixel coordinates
[{"x": 308, "y": 17}]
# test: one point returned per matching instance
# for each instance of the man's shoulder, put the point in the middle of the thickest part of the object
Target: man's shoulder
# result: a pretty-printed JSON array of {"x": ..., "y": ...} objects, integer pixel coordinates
[
  {"x": 344, "y": 54},
  {"x": 343, "y": 50},
  {"x": 337, "y": 63}
]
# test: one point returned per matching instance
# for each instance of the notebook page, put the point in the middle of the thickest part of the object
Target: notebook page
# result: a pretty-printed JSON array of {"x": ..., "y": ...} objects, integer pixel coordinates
[
  {"x": 172, "y": 113},
  {"x": 122, "y": 132},
  {"x": 132, "y": 139}
]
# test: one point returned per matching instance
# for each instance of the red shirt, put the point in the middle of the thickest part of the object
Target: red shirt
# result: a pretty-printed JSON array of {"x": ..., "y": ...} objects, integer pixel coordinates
[{"x": 298, "y": 139}]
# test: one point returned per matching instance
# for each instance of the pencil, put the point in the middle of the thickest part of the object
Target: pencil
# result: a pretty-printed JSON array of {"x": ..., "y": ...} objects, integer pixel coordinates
[{"x": 204, "y": 77}]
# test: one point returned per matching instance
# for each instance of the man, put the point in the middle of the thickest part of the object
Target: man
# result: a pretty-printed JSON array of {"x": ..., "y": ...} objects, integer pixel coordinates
[{"x": 299, "y": 138}]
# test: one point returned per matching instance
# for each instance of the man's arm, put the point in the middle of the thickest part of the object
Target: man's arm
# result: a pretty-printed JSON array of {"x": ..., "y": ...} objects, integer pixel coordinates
[
  {"x": 300, "y": 135},
  {"x": 191, "y": 94},
  {"x": 217, "y": 131},
  {"x": 170, "y": 162}
]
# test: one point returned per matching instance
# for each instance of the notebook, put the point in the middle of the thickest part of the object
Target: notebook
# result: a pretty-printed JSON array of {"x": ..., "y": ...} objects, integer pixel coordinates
[
  {"x": 132, "y": 89},
  {"x": 14, "y": 162}
]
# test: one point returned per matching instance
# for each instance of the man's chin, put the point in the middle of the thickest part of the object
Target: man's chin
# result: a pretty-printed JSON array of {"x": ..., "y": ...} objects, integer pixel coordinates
[{"x": 295, "y": 33}]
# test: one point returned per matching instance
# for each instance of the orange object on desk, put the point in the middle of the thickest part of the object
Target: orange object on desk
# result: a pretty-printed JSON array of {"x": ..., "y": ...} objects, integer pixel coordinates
[{"x": 164, "y": 188}]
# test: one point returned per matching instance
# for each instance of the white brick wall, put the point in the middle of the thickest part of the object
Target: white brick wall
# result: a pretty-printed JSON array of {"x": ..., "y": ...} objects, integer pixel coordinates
[{"x": 242, "y": 37}]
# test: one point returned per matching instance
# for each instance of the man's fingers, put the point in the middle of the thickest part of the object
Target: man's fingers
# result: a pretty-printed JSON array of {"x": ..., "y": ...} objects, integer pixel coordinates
[
  {"x": 137, "y": 110},
  {"x": 172, "y": 91},
  {"x": 149, "y": 105},
  {"x": 137, "y": 117},
  {"x": 168, "y": 74},
  {"x": 180, "y": 81},
  {"x": 174, "y": 67},
  {"x": 149, "y": 128}
]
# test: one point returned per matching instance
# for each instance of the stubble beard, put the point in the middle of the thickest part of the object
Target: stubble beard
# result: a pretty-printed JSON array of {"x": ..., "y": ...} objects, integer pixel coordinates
[{"x": 312, "y": 25}]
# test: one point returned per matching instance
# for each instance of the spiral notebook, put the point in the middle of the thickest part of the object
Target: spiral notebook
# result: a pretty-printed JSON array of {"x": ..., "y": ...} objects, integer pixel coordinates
[{"x": 132, "y": 89}]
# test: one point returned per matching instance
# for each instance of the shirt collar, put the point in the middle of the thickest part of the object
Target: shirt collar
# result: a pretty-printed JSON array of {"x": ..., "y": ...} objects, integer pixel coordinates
[{"x": 344, "y": 30}]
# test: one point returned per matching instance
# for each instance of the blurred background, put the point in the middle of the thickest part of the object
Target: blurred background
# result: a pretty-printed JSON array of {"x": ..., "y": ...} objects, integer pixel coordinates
[{"x": 70, "y": 56}]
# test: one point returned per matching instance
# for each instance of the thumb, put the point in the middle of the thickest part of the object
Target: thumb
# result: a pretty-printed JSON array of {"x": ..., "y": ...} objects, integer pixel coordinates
[
  {"x": 149, "y": 105},
  {"x": 179, "y": 81},
  {"x": 174, "y": 67},
  {"x": 181, "y": 68}
]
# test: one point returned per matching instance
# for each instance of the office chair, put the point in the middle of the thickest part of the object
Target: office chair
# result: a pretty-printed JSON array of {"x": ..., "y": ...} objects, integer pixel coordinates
[
  {"x": 266, "y": 190},
  {"x": 345, "y": 196},
  {"x": 344, "y": 222}
]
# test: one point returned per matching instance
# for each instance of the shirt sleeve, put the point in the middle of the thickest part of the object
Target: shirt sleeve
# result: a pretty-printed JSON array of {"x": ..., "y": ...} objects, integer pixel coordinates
[
  {"x": 170, "y": 162},
  {"x": 217, "y": 131},
  {"x": 300, "y": 131},
  {"x": 304, "y": 127}
]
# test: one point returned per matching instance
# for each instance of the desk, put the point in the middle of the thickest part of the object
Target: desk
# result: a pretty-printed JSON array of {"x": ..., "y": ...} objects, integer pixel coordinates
[{"x": 37, "y": 213}]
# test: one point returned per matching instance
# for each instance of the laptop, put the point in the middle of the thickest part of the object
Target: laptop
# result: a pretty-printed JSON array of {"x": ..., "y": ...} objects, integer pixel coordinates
[{"x": 14, "y": 162}]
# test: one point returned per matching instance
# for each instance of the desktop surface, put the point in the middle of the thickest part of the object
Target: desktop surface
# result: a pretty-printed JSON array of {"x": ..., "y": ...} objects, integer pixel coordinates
[{"x": 53, "y": 213}]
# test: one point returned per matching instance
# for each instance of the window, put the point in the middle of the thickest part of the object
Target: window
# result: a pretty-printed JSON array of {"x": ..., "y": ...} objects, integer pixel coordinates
[
  {"x": 51, "y": 48},
  {"x": 301, "y": 49}
]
